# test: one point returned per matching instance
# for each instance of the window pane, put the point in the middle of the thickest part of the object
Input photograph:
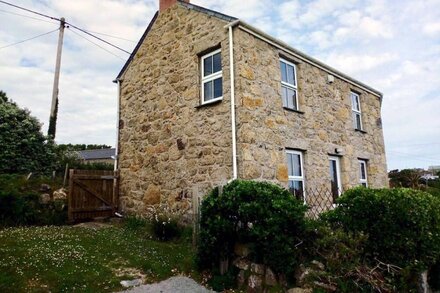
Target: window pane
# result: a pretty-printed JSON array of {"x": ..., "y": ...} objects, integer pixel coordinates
[
  {"x": 207, "y": 91},
  {"x": 294, "y": 162},
  {"x": 217, "y": 62},
  {"x": 334, "y": 179},
  {"x": 297, "y": 189},
  {"x": 364, "y": 184},
  {"x": 362, "y": 169},
  {"x": 207, "y": 66},
  {"x": 357, "y": 124},
  {"x": 355, "y": 102},
  {"x": 283, "y": 71},
  {"x": 291, "y": 74},
  {"x": 289, "y": 98},
  {"x": 218, "y": 87},
  {"x": 284, "y": 96}
]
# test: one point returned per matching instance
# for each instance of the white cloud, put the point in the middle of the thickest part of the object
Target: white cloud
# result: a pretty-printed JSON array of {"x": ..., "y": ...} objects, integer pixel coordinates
[
  {"x": 432, "y": 29},
  {"x": 390, "y": 45}
]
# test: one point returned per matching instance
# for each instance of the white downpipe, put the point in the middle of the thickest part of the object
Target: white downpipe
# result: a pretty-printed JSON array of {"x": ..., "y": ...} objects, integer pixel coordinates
[
  {"x": 115, "y": 168},
  {"x": 232, "y": 78}
]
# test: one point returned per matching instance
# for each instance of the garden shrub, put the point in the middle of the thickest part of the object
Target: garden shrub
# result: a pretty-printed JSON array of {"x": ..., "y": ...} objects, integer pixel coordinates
[
  {"x": 345, "y": 268},
  {"x": 165, "y": 223},
  {"x": 263, "y": 215},
  {"x": 25, "y": 209},
  {"x": 402, "y": 225}
]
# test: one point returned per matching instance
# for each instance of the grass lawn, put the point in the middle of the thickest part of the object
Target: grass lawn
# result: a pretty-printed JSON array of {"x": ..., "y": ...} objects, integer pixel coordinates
[{"x": 74, "y": 259}]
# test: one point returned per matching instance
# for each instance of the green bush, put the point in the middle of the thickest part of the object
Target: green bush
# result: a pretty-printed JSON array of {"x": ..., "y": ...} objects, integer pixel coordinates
[
  {"x": 25, "y": 209},
  {"x": 165, "y": 228},
  {"x": 20, "y": 205},
  {"x": 263, "y": 215},
  {"x": 402, "y": 225}
]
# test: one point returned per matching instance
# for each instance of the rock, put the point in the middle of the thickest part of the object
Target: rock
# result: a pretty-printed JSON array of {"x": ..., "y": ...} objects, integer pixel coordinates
[
  {"x": 327, "y": 287},
  {"x": 242, "y": 264},
  {"x": 299, "y": 290},
  {"x": 131, "y": 283},
  {"x": 257, "y": 269},
  {"x": 270, "y": 278},
  {"x": 241, "y": 249},
  {"x": 241, "y": 278},
  {"x": 44, "y": 198},
  {"x": 254, "y": 283},
  {"x": 318, "y": 265},
  {"x": 45, "y": 188},
  {"x": 301, "y": 274},
  {"x": 152, "y": 195},
  {"x": 60, "y": 194}
]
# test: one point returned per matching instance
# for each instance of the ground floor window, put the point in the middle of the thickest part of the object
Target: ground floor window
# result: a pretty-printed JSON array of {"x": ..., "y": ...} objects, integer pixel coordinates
[
  {"x": 363, "y": 180},
  {"x": 296, "y": 173},
  {"x": 335, "y": 177}
]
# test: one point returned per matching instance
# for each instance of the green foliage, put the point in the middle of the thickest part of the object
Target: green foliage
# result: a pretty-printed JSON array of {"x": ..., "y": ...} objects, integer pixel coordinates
[
  {"x": 221, "y": 283},
  {"x": 166, "y": 229},
  {"x": 403, "y": 225},
  {"x": 82, "y": 147},
  {"x": 342, "y": 254},
  {"x": 262, "y": 214},
  {"x": 405, "y": 178},
  {"x": 24, "y": 147},
  {"x": 20, "y": 205}
]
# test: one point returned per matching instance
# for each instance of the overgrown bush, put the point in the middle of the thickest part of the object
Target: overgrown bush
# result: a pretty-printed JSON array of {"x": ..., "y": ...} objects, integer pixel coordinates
[
  {"x": 20, "y": 202},
  {"x": 165, "y": 223},
  {"x": 344, "y": 266},
  {"x": 26, "y": 209},
  {"x": 263, "y": 215},
  {"x": 402, "y": 225}
]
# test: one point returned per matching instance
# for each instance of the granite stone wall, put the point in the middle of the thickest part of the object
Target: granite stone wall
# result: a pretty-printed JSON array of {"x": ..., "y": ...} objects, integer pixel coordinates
[
  {"x": 324, "y": 123},
  {"x": 169, "y": 147}
]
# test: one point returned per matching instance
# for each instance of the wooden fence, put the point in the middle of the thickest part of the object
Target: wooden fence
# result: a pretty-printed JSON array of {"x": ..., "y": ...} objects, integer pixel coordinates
[{"x": 92, "y": 194}]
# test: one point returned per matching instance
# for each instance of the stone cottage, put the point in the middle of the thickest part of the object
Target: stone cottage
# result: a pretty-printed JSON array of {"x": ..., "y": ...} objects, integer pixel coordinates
[{"x": 206, "y": 98}]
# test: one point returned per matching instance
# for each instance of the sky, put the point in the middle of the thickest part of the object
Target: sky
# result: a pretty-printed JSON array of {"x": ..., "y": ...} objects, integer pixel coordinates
[{"x": 393, "y": 46}]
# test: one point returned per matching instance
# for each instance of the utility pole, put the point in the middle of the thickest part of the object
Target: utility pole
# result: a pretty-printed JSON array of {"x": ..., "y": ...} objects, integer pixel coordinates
[{"x": 54, "y": 108}]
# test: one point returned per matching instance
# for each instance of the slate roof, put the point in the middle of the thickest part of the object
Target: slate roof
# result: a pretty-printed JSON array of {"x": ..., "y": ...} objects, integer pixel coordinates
[{"x": 97, "y": 154}]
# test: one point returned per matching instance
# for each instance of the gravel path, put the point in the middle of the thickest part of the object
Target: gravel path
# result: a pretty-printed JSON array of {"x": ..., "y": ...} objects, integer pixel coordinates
[{"x": 171, "y": 285}]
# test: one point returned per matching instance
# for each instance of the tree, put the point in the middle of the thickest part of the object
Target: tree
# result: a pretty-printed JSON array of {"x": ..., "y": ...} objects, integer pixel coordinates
[
  {"x": 23, "y": 146},
  {"x": 405, "y": 178}
]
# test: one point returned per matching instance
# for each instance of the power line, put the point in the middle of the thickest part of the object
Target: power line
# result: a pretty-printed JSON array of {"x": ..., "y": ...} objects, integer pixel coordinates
[
  {"x": 70, "y": 24},
  {"x": 96, "y": 37},
  {"x": 111, "y": 36},
  {"x": 95, "y": 44},
  {"x": 27, "y": 16},
  {"x": 10, "y": 45},
  {"x": 29, "y": 10}
]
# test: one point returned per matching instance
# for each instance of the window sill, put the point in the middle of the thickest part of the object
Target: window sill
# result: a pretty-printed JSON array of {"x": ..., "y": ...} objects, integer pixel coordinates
[
  {"x": 360, "y": 130},
  {"x": 293, "y": 110},
  {"x": 208, "y": 104}
]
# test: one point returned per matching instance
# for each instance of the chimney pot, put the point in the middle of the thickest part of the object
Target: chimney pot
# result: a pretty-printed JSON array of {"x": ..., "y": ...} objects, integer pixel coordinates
[{"x": 165, "y": 4}]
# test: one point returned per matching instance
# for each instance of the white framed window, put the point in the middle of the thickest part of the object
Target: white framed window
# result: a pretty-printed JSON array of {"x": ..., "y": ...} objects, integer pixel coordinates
[
  {"x": 363, "y": 177},
  {"x": 335, "y": 177},
  {"x": 356, "y": 110},
  {"x": 289, "y": 88},
  {"x": 212, "y": 79},
  {"x": 296, "y": 173}
]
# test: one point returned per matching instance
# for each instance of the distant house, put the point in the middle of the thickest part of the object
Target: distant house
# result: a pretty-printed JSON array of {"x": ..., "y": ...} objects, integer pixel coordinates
[
  {"x": 206, "y": 98},
  {"x": 97, "y": 156}
]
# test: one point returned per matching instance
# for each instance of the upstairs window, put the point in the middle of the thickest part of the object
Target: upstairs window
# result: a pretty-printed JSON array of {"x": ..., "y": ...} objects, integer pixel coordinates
[
  {"x": 289, "y": 89},
  {"x": 296, "y": 173},
  {"x": 212, "y": 80},
  {"x": 363, "y": 180},
  {"x": 356, "y": 111}
]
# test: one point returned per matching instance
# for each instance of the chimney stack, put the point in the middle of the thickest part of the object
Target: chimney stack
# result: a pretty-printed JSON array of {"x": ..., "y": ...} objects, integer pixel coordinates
[{"x": 164, "y": 4}]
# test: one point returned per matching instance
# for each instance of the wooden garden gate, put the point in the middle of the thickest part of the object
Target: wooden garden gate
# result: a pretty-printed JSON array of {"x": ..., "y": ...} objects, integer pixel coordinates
[{"x": 92, "y": 194}]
